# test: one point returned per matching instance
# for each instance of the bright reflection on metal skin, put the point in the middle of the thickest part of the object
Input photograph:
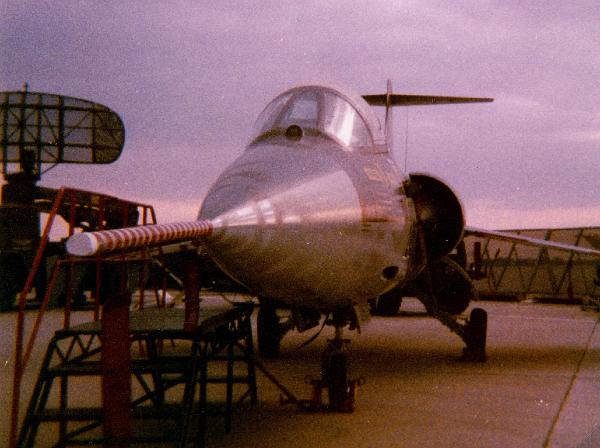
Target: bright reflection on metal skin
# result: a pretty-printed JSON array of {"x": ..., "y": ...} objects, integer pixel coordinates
[{"x": 295, "y": 229}]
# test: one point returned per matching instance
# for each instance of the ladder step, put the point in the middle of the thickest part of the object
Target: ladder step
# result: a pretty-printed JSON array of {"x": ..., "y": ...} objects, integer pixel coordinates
[
  {"x": 71, "y": 414},
  {"x": 164, "y": 365},
  {"x": 90, "y": 368},
  {"x": 82, "y": 368},
  {"x": 223, "y": 379}
]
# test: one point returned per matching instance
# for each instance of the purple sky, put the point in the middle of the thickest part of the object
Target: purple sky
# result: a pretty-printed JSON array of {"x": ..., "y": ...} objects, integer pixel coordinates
[{"x": 189, "y": 78}]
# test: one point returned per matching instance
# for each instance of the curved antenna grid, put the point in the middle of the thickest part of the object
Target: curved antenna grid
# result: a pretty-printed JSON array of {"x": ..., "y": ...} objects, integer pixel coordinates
[{"x": 43, "y": 128}]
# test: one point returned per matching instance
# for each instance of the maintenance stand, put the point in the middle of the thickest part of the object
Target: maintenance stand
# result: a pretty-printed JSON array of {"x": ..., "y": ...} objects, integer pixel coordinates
[
  {"x": 39, "y": 131},
  {"x": 222, "y": 334}
]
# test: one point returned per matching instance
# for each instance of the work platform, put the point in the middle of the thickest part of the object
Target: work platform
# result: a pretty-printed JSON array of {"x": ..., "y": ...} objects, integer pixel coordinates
[{"x": 169, "y": 370}]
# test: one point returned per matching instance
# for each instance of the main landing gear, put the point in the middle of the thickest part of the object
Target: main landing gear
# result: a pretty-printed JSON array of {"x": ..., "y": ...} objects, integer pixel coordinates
[
  {"x": 475, "y": 336},
  {"x": 473, "y": 331},
  {"x": 269, "y": 331}
]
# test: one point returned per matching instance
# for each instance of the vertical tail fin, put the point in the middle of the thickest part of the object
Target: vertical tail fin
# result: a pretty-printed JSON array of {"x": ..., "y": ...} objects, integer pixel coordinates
[{"x": 389, "y": 134}]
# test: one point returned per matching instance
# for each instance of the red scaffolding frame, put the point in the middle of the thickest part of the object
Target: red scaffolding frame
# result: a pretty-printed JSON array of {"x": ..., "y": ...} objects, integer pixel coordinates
[{"x": 98, "y": 212}]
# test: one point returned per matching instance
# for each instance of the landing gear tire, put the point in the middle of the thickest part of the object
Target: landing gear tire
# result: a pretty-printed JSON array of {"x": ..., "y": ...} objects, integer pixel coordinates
[
  {"x": 387, "y": 304},
  {"x": 268, "y": 332},
  {"x": 334, "y": 376},
  {"x": 476, "y": 335},
  {"x": 337, "y": 381}
]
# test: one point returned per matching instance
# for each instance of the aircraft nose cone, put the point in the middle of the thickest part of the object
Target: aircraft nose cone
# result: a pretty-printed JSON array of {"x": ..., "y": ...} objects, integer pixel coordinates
[{"x": 280, "y": 221}]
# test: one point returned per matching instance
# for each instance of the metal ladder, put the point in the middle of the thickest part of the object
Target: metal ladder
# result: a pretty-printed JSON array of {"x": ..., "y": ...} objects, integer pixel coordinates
[{"x": 75, "y": 352}]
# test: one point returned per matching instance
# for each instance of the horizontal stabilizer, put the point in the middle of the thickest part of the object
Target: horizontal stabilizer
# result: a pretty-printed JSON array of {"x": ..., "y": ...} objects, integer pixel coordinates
[{"x": 420, "y": 100}]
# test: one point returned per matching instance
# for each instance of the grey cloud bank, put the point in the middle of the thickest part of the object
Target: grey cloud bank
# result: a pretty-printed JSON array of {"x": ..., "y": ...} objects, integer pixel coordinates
[{"x": 189, "y": 78}]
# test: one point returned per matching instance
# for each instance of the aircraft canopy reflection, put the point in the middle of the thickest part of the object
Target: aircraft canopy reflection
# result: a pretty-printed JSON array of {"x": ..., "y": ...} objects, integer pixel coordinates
[{"x": 324, "y": 112}]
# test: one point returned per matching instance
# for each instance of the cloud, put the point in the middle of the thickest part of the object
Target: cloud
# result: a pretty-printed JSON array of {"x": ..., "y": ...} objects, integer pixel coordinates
[
  {"x": 499, "y": 215},
  {"x": 189, "y": 78},
  {"x": 168, "y": 211},
  {"x": 591, "y": 135}
]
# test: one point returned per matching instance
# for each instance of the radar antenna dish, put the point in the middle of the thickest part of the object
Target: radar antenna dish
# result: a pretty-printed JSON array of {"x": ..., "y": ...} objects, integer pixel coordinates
[{"x": 44, "y": 128}]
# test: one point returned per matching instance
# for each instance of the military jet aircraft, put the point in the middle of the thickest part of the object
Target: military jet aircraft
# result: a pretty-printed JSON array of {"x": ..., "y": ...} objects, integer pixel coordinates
[{"x": 316, "y": 217}]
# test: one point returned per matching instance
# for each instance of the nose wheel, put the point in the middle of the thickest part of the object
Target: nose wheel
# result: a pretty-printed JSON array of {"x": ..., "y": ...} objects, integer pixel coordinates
[
  {"x": 334, "y": 374},
  {"x": 335, "y": 378}
]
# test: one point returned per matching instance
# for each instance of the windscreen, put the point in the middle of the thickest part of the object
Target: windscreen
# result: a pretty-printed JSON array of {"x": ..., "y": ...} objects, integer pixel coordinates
[{"x": 317, "y": 111}]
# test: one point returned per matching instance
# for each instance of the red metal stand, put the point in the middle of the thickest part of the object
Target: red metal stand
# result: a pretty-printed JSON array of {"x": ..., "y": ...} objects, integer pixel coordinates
[
  {"x": 192, "y": 291},
  {"x": 116, "y": 371},
  {"x": 99, "y": 211}
]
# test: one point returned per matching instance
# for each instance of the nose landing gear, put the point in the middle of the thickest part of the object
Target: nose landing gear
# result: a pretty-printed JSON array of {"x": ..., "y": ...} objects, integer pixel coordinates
[{"x": 334, "y": 374}]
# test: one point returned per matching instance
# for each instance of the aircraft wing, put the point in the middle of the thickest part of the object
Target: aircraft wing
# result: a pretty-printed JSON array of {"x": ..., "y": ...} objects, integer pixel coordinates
[{"x": 527, "y": 240}]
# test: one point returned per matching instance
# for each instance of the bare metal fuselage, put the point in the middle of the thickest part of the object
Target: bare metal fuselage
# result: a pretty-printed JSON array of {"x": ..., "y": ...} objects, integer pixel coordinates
[{"x": 310, "y": 224}]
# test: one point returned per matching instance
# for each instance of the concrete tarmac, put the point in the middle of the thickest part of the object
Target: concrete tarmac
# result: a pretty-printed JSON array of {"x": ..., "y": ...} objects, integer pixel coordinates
[{"x": 540, "y": 386}]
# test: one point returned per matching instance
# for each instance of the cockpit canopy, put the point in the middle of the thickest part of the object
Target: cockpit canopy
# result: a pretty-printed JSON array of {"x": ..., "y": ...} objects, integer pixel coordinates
[{"x": 319, "y": 111}]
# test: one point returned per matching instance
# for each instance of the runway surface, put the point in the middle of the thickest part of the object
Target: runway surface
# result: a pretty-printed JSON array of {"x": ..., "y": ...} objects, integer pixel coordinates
[{"x": 540, "y": 386}]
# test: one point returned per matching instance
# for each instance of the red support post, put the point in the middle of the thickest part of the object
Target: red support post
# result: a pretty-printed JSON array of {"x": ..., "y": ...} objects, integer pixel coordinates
[
  {"x": 69, "y": 266},
  {"x": 19, "y": 367},
  {"x": 192, "y": 291},
  {"x": 116, "y": 357},
  {"x": 98, "y": 262},
  {"x": 116, "y": 370}
]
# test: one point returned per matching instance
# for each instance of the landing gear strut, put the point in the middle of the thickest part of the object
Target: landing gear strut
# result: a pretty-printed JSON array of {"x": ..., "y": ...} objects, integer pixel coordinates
[
  {"x": 473, "y": 332},
  {"x": 335, "y": 373},
  {"x": 387, "y": 304},
  {"x": 475, "y": 336},
  {"x": 269, "y": 331}
]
